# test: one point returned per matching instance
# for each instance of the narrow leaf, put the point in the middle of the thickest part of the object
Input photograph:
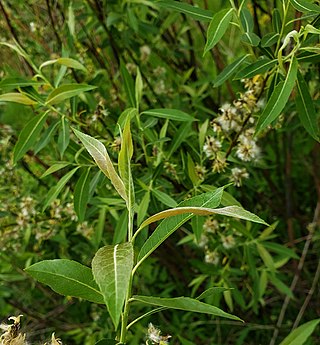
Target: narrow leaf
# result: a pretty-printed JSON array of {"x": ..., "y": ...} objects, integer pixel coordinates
[
  {"x": 170, "y": 225},
  {"x": 46, "y": 137},
  {"x": 250, "y": 38},
  {"x": 100, "y": 155},
  {"x": 64, "y": 136},
  {"x": 266, "y": 257},
  {"x": 164, "y": 198},
  {"x": 246, "y": 20},
  {"x": 29, "y": 136},
  {"x": 55, "y": 167},
  {"x": 55, "y": 190},
  {"x": 186, "y": 304},
  {"x": 183, "y": 133},
  {"x": 218, "y": 26},
  {"x": 171, "y": 114},
  {"x": 229, "y": 71},
  {"x": 279, "y": 98},
  {"x": 68, "y": 278},
  {"x": 112, "y": 266},
  {"x": 305, "y": 6},
  {"x": 67, "y": 91},
  {"x": 71, "y": 63},
  {"x": 138, "y": 88},
  {"x": 269, "y": 39},
  {"x": 301, "y": 334},
  {"x": 81, "y": 194},
  {"x": 305, "y": 108},
  {"x": 13, "y": 83},
  {"x": 259, "y": 67},
  {"x": 17, "y": 98},
  {"x": 128, "y": 85},
  {"x": 192, "y": 11}
]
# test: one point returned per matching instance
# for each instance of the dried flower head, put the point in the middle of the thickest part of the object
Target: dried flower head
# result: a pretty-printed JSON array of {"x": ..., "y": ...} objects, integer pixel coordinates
[
  {"x": 228, "y": 241},
  {"x": 211, "y": 147},
  {"x": 212, "y": 258},
  {"x": 237, "y": 175},
  {"x": 154, "y": 335},
  {"x": 12, "y": 335}
]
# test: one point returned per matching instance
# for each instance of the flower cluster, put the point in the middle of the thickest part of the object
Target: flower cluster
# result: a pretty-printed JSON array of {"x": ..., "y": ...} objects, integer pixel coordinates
[{"x": 155, "y": 337}]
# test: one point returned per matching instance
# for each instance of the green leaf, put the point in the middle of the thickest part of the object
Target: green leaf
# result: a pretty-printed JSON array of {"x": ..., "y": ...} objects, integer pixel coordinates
[
  {"x": 143, "y": 207},
  {"x": 46, "y": 137},
  {"x": 280, "y": 249},
  {"x": 112, "y": 266},
  {"x": 305, "y": 6},
  {"x": 164, "y": 198},
  {"x": 269, "y": 39},
  {"x": 13, "y": 83},
  {"x": 186, "y": 304},
  {"x": 250, "y": 38},
  {"x": 211, "y": 291},
  {"x": 171, "y": 114},
  {"x": 230, "y": 211},
  {"x": 68, "y": 62},
  {"x": 100, "y": 155},
  {"x": 128, "y": 85},
  {"x": 301, "y": 334},
  {"x": 68, "y": 278},
  {"x": 121, "y": 230},
  {"x": 55, "y": 167},
  {"x": 305, "y": 108},
  {"x": 229, "y": 71},
  {"x": 67, "y": 91},
  {"x": 280, "y": 285},
  {"x": 279, "y": 98},
  {"x": 64, "y": 136},
  {"x": 81, "y": 194},
  {"x": 192, "y": 11},
  {"x": 124, "y": 164},
  {"x": 276, "y": 20},
  {"x": 55, "y": 190},
  {"x": 194, "y": 178},
  {"x": 259, "y": 67},
  {"x": 71, "y": 19},
  {"x": 17, "y": 98},
  {"x": 170, "y": 225},
  {"x": 182, "y": 134},
  {"x": 246, "y": 20},
  {"x": 29, "y": 136},
  {"x": 218, "y": 26},
  {"x": 138, "y": 88},
  {"x": 266, "y": 257}
]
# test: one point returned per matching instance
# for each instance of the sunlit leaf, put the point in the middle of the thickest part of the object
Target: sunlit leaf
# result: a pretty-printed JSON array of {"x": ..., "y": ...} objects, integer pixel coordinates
[
  {"x": 300, "y": 335},
  {"x": 67, "y": 91},
  {"x": 171, "y": 114},
  {"x": 112, "y": 266},
  {"x": 17, "y": 98}
]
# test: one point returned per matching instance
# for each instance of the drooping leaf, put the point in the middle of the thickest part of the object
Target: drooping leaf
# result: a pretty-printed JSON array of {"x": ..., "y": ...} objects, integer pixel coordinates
[
  {"x": 279, "y": 98},
  {"x": 67, "y": 91},
  {"x": 218, "y": 26},
  {"x": 186, "y": 304},
  {"x": 305, "y": 6},
  {"x": 55, "y": 190},
  {"x": 29, "y": 136},
  {"x": 229, "y": 71},
  {"x": 171, "y": 114},
  {"x": 100, "y": 155},
  {"x": 68, "y": 278},
  {"x": 81, "y": 194},
  {"x": 17, "y": 98},
  {"x": 230, "y": 211},
  {"x": 300, "y": 335},
  {"x": 192, "y": 11},
  {"x": 170, "y": 225},
  {"x": 259, "y": 67},
  {"x": 305, "y": 108},
  {"x": 112, "y": 266}
]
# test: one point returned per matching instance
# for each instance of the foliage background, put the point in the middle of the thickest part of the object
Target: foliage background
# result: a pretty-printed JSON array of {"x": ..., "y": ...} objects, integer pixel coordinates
[{"x": 111, "y": 39}]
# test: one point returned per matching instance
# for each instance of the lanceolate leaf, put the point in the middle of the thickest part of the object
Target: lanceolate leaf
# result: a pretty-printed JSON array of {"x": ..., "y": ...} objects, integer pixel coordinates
[
  {"x": 71, "y": 63},
  {"x": 46, "y": 137},
  {"x": 100, "y": 155},
  {"x": 230, "y": 211},
  {"x": 124, "y": 164},
  {"x": 251, "y": 38},
  {"x": 128, "y": 85},
  {"x": 218, "y": 26},
  {"x": 164, "y": 198},
  {"x": 67, "y": 91},
  {"x": 258, "y": 67},
  {"x": 305, "y": 108},
  {"x": 171, "y": 114},
  {"x": 29, "y": 136},
  {"x": 170, "y": 225},
  {"x": 269, "y": 39},
  {"x": 17, "y": 98},
  {"x": 186, "y": 304},
  {"x": 13, "y": 83},
  {"x": 55, "y": 190},
  {"x": 279, "y": 98},
  {"x": 305, "y": 6},
  {"x": 64, "y": 136},
  {"x": 112, "y": 266},
  {"x": 68, "y": 278},
  {"x": 229, "y": 71},
  {"x": 246, "y": 20},
  {"x": 195, "y": 12},
  {"x": 55, "y": 167},
  {"x": 301, "y": 334},
  {"x": 81, "y": 194}
]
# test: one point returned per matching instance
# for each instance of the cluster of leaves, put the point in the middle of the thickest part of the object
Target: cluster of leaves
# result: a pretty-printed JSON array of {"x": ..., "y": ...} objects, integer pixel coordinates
[{"x": 142, "y": 69}]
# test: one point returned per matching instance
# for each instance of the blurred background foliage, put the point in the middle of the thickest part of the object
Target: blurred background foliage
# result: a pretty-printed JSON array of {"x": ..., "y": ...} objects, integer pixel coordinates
[{"x": 275, "y": 174}]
